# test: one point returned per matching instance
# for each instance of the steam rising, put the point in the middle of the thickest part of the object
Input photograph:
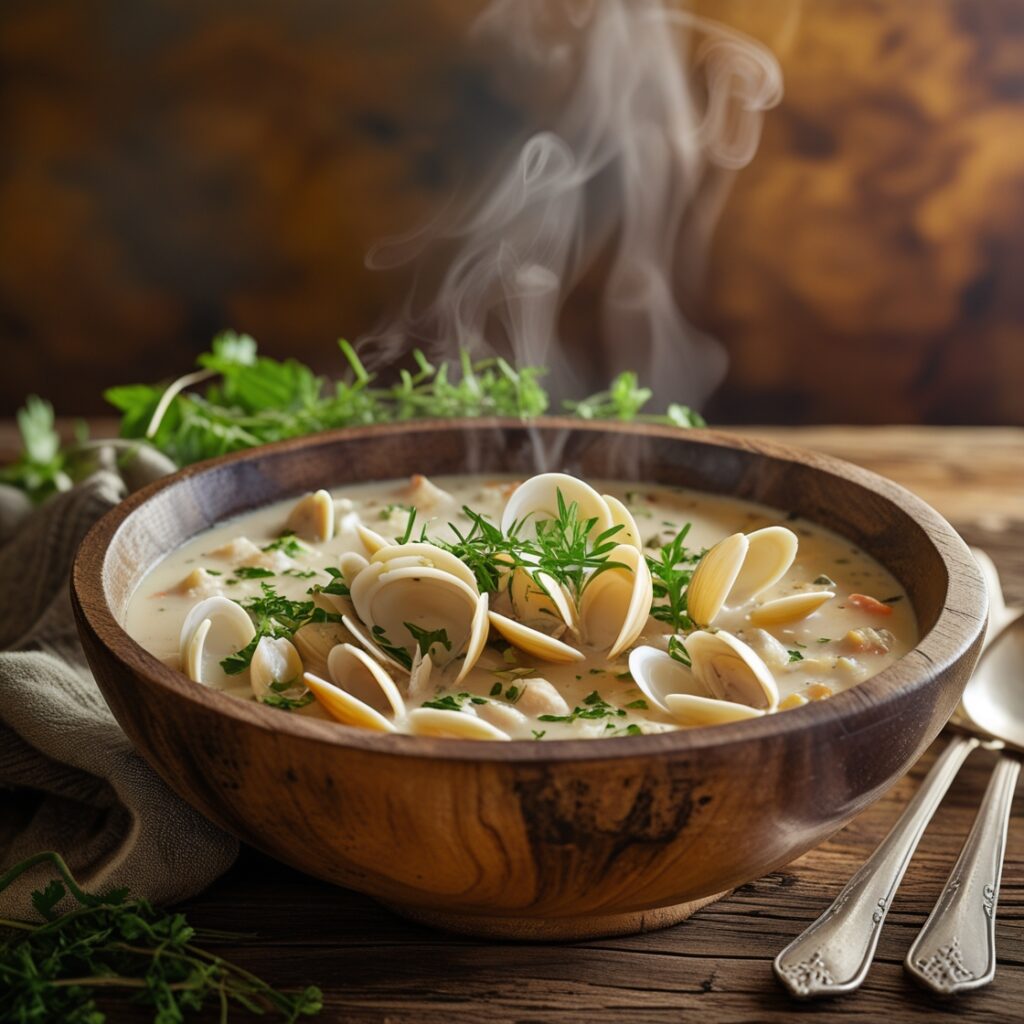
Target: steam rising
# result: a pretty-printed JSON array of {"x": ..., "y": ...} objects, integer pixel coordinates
[{"x": 656, "y": 110}]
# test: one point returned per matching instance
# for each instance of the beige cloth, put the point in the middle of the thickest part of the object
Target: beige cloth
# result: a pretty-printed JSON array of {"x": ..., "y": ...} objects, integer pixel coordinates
[{"x": 69, "y": 778}]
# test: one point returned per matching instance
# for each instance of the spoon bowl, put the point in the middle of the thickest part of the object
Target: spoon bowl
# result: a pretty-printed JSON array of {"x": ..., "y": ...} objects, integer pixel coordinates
[{"x": 992, "y": 705}]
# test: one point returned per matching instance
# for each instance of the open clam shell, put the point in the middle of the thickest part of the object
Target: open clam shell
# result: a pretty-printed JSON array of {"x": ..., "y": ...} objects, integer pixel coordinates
[
  {"x": 537, "y": 499},
  {"x": 312, "y": 518},
  {"x": 621, "y": 516},
  {"x": 538, "y": 599},
  {"x": 427, "y": 555},
  {"x": 616, "y": 603},
  {"x": 730, "y": 670},
  {"x": 345, "y": 708},
  {"x": 479, "y": 629},
  {"x": 275, "y": 660},
  {"x": 362, "y": 638},
  {"x": 738, "y": 569},
  {"x": 714, "y": 577},
  {"x": 770, "y": 553},
  {"x": 790, "y": 608},
  {"x": 428, "y": 598},
  {"x": 452, "y": 724},
  {"x": 354, "y": 671},
  {"x": 692, "y": 710},
  {"x": 658, "y": 675},
  {"x": 213, "y": 629},
  {"x": 533, "y": 641}
]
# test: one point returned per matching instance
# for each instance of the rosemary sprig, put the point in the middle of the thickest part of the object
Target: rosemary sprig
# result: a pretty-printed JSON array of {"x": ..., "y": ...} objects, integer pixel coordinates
[{"x": 111, "y": 945}]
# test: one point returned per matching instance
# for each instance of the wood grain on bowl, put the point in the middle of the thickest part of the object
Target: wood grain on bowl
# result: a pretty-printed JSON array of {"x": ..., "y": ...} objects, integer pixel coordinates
[{"x": 567, "y": 836}]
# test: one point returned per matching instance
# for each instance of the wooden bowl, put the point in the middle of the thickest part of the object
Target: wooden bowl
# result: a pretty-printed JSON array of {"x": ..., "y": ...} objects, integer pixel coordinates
[{"x": 525, "y": 839}]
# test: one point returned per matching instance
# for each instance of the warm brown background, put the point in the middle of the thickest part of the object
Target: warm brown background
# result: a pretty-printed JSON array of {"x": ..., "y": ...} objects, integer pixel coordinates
[{"x": 169, "y": 168}]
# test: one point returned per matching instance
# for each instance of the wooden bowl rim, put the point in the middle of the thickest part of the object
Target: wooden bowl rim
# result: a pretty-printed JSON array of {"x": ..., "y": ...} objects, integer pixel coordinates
[{"x": 957, "y": 627}]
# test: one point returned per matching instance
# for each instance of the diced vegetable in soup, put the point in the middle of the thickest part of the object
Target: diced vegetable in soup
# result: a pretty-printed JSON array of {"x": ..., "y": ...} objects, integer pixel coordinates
[{"x": 496, "y": 609}]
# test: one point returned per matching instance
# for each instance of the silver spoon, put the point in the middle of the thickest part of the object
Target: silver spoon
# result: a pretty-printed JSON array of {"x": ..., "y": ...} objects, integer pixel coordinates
[
  {"x": 833, "y": 955},
  {"x": 956, "y": 950}
]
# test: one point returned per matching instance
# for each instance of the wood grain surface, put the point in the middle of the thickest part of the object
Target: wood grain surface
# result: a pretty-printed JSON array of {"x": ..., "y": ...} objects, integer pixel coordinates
[{"x": 376, "y": 968}]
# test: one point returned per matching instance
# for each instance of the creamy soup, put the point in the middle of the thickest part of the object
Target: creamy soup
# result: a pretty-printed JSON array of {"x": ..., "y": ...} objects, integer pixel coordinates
[{"x": 487, "y": 608}]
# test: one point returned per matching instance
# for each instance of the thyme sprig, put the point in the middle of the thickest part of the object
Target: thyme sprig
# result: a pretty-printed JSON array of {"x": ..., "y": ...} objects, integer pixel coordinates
[{"x": 112, "y": 945}]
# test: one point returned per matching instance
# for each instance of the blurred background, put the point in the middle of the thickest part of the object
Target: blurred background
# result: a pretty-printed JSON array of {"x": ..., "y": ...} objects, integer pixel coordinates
[{"x": 168, "y": 169}]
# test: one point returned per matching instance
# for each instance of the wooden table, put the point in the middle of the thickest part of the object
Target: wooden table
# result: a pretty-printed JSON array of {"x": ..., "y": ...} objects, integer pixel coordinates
[{"x": 376, "y": 967}]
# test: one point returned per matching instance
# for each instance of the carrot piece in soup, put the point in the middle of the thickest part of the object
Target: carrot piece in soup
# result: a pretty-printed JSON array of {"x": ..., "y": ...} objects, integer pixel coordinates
[{"x": 870, "y": 604}]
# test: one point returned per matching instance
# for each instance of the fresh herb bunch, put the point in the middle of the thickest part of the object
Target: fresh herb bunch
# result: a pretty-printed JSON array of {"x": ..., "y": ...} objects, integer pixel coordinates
[
  {"x": 251, "y": 399},
  {"x": 113, "y": 945}
]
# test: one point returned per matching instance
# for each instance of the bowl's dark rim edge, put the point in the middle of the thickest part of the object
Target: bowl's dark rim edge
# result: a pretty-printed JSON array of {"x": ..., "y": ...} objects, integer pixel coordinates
[{"x": 957, "y": 628}]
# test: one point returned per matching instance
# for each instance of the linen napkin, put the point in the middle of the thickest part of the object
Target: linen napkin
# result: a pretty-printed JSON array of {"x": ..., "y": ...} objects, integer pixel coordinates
[{"x": 70, "y": 779}]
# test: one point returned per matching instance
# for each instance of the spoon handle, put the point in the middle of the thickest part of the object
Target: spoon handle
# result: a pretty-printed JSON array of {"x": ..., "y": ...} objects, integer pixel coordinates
[
  {"x": 833, "y": 955},
  {"x": 956, "y": 949}
]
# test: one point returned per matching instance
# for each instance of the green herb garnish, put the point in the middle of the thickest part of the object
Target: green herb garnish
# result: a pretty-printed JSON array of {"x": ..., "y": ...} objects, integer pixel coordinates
[
  {"x": 288, "y": 543},
  {"x": 113, "y": 945},
  {"x": 677, "y": 650},
  {"x": 279, "y": 698},
  {"x": 276, "y": 616},
  {"x": 400, "y": 654},
  {"x": 795, "y": 656},
  {"x": 337, "y": 586},
  {"x": 425, "y": 639},
  {"x": 671, "y": 570},
  {"x": 253, "y": 572}
]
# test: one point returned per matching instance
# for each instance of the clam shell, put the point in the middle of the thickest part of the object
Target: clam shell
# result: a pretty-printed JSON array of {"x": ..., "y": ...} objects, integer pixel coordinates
[
  {"x": 275, "y": 660},
  {"x": 530, "y": 603},
  {"x": 312, "y": 518},
  {"x": 372, "y": 540},
  {"x": 419, "y": 678},
  {"x": 429, "y": 556},
  {"x": 537, "y": 498},
  {"x": 202, "y": 646},
  {"x": 429, "y": 598},
  {"x": 316, "y": 640},
  {"x": 451, "y": 724},
  {"x": 621, "y": 516},
  {"x": 533, "y": 641},
  {"x": 770, "y": 553},
  {"x": 714, "y": 578},
  {"x": 691, "y": 710},
  {"x": 479, "y": 629},
  {"x": 616, "y": 603},
  {"x": 730, "y": 670},
  {"x": 790, "y": 608},
  {"x": 344, "y": 707},
  {"x": 362, "y": 638},
  {"x": 351, "y": 565},
  {"x": 658, "y": 675},
  {"x": 354, "y": 671}
]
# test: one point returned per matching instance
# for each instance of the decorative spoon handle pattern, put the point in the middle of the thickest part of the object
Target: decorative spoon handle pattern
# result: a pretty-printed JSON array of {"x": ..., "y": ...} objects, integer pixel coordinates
[
  {"x": 833, "y": 955},
  {"x": 956, "y": 949}
]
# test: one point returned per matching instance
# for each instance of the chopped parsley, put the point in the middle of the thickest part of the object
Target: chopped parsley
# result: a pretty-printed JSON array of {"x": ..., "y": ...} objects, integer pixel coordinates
[
  {"x": 276, "y": 616},
  {"x": 278, "y": 696},
  {"x": 288, "y": 543},
  {"x": 426, "y": 639},
  {"x": 594, "y": 707},
  {"x": 795, "y": 656},
  {"x": 253, "y": 572},
  {"x": 337, "y": 586}
]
